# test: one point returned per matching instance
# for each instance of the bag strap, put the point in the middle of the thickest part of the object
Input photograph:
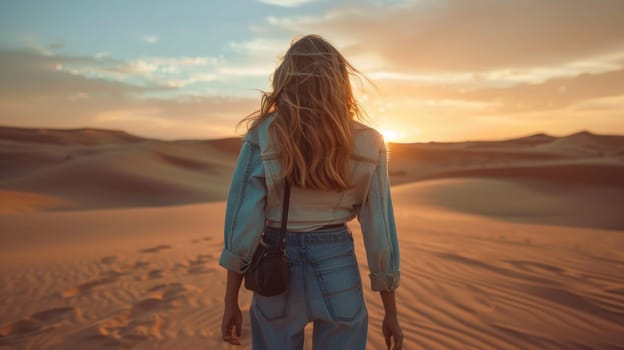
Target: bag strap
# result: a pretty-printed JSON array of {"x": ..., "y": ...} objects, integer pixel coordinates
[{"x": 285, "y": 205}]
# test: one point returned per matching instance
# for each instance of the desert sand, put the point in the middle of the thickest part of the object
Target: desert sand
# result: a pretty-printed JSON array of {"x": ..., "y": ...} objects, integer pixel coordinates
[{"x": 112, "y": 241}]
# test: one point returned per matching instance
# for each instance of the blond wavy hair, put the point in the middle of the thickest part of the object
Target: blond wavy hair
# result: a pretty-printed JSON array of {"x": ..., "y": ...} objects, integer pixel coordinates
[{"x": 315, "y": 107}]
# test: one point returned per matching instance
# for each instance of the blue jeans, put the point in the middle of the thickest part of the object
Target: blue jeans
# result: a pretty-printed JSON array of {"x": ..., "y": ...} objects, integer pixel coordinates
[{"x": 324, "y": 288}]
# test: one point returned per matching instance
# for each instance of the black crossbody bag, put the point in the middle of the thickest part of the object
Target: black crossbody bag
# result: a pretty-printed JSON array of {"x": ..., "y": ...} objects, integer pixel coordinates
[{"x": 268, "y": 273}]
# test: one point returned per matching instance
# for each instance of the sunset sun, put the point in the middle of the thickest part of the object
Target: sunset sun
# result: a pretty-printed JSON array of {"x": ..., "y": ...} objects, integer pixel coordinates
[{"x": 389, "y": 135}]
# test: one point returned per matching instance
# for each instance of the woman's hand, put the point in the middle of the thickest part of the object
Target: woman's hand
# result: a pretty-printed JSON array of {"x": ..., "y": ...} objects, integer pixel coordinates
[
  {"x": 232, "y": 315},
  {"x": 392, "y": 329},
  {"x": 232, "y": 319}
]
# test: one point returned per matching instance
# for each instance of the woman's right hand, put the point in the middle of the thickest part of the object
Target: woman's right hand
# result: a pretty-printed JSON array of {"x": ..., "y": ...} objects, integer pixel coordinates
[
  {"x": 391, "y": 329},
  {"x": 390, "y": 326},
  {"x": 232, "y": 318}
]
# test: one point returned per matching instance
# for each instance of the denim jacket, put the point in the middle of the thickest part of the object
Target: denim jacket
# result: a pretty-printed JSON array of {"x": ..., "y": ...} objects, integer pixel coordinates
[{"x": 255, "y": 200}]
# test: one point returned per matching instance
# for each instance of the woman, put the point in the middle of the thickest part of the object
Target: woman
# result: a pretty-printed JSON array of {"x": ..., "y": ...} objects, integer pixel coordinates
[{"x": 305, "y": 133}]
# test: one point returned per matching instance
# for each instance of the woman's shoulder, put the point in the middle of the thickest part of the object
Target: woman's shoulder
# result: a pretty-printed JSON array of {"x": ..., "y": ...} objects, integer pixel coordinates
[
  {"x": 368, "y": 133},
  {"x": 365, "y": 130},
  {"x": 368, "y": 142},
  {"x": 257, "y": 132}
]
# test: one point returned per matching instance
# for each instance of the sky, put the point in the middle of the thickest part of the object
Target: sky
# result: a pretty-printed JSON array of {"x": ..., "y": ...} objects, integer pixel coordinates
[{"x": 437, "y": 70}]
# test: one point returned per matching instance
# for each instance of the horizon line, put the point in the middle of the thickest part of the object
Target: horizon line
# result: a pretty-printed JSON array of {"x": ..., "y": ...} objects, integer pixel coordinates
[{"x": 537, "y": 133}]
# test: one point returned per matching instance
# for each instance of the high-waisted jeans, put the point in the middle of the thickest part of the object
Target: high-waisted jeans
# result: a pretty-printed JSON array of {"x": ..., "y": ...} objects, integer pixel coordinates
[{"x": 324, "y": 288}]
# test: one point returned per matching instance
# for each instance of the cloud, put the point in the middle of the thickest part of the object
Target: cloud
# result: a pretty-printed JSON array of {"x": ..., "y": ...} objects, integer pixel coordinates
[
  {"x": 165, "y": 73},
  {"x": 555, "y": 93},
  {"x": 267, "y": 48},
  {"x": 479, "y": 65},
  {"x": 33, "y": 74},
  {"x": 506, "y": 76},
  {"x": 603, "y": 104},
  {"x": 34, "y": 93},
  {"x": 519, "y": 98},
  {"x": 470, "y": 35}
]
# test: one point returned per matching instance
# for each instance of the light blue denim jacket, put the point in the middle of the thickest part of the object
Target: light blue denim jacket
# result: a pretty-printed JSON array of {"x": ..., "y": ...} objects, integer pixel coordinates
[{"x": 255, "y": 200}]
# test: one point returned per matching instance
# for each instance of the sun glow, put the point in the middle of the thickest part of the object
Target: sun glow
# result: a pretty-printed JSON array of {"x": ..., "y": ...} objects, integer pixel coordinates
[{"x": 389, "y": 135}]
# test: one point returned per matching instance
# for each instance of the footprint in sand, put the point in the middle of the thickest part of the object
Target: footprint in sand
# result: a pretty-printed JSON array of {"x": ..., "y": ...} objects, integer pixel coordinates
[
  {"x": 87, "y": 286},
  {"x": 37, "y": 321},
  {"x": 200, "y": 260},
  {"x": 155, "y": 249},
  {"x": 53, "y": 315},
  {"x": 109, "y": 259},
  {"x": 200, "y": 269},
  {"x": 20, "y": 327},
  {"x": 141, "y": 264},
  {"x": 114, "y": 273},
  {"x": 199, "y": 240},
  {"x": 140, "y": 321},
  {"x": 197, "y": 265},
  {"x": 152, "y": 274},
  {"x": 106, "y": 277},
  {"x": 132, "y": 326},
  {"x": 180, "y": 266},
  {"x": 168, "y": 291},
  {"x": 150, "y": 305},
  {"x": 160, "y": 298}
]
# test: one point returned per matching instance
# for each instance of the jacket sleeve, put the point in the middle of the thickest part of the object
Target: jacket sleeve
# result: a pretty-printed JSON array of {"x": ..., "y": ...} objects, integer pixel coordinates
[
  {"x": 245, "y": 209},
  {"x": 376, "y": 217}
]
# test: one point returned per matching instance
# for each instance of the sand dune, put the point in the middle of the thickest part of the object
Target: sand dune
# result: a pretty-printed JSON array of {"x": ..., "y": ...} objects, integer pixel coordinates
[
  {"x": 581, "y": 158},
  {"x": 114, "y": 172},
  {"x": 521, "y": 201},
  {"x": 603, "y": 175},
  {"x": 148, "y": 278},
  {"x": 80, "y": 136},
  {"x": 479, "y": 268},
  {"x": 576, "y": 180},
  {"x": 95, "y": 168}
]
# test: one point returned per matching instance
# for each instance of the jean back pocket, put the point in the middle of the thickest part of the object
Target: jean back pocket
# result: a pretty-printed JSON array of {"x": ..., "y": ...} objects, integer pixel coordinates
[{"x": 339, "y": 280}]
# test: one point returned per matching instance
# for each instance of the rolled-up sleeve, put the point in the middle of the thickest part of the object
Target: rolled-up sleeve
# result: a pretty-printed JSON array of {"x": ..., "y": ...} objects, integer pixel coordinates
[
  {"x": 245, "y": 210},
  {"x": 376, "y": 217}
]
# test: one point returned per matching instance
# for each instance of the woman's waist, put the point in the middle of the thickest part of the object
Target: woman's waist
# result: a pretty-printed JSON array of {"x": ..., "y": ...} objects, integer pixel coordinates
[
  {"x": 309, "y": 220},
  {"x": 325, "y": 233},
  {"x": 316, "y": 228}
]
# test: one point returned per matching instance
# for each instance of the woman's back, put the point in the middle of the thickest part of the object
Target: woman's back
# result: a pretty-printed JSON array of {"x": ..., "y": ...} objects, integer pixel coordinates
[{"x": 311, "y": 208}]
